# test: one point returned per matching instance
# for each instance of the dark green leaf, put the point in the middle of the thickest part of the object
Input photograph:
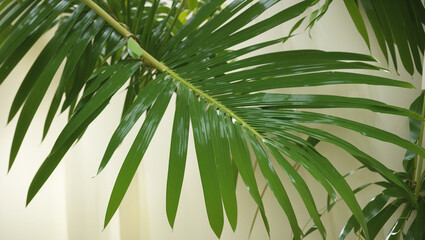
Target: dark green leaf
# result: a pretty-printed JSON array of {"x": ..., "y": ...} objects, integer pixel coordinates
[
  {"x": 39, "y": 88},
  {"x": 49, "y": 53},
  {"x": 353, "y": 9},
  {"x": 325, "y": 167},
  {"x": 370, "y": 211},
  {"x": 414, "y": 127},
  {"x": 140, "y": 105},
  {"x": 301, "y": 187},
  {"x": 6, "y": 18},
  {"x": 311, "y": 117},
  {"x": 398, "y": 29},
  {"x": 137, "y": 150},
  {"x": 242, "y": 159},
  {"x": 397, "y": 230},
  {"x": 376, "y": 223},
  {"x": 386, "y": 27},
  {"x": 376, "y": 25},
  {"x": 365, "y": 159},
  {"x": 224, "y": 165},
  {"x": 203, "y": 13},
  {"x": 46, "y": 10},
  {"x": 416, "y": 229},
  {"x": 312, "y": 101},
  {"x": 77, "y": 124},
  {"x": 77, "y": 60},
  {"x": 415, "y": 124},
  {"x": 54, "y": 158},
  {"x": 178, "y": 152},
  {"x": 225, "y": 33},
  {"x": 206, "y": 163},
  {"x": 302, "y": 80},
  {"x": 147, "y": 29}
]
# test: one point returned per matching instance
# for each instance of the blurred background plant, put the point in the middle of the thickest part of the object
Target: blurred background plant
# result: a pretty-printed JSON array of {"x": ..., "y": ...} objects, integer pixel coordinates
[{"x": 398, "y": 27}]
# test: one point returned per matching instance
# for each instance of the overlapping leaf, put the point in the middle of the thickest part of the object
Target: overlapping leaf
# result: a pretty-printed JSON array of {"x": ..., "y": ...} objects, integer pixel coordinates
[
  {"x": 219, "y": 91},
  {"x": 398, "y": 26}
]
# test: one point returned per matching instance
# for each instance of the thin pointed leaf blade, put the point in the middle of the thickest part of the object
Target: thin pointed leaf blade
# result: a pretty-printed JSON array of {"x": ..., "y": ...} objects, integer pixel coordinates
[
  {"x": 178, "y": 153},
  {"x": 206, "y": 164},
  {"x": 275, "y": 185},
  {"x": 136, "y": 152},
  {"x": 37, "y": 93},
  {"x": 224, "y": 165},
  {"x": 140, "y": 105},
  {"x": 370, "y": 211},
  {"x": 242, "y": 159},
  {"x": 76, "y": 125},
  {"x": 353, "y": 9},
  {"x": 302, "y": 188}
]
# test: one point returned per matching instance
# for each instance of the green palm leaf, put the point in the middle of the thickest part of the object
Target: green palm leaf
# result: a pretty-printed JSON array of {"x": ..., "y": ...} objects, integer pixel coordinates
[
  {"x": 77, "y": 124},
  {"x": 138, "y": 149},
  {"x": 178, "y": 153},
  {"x": 219, "y": 91},
  {"x": 394, "y": 23},
  {"x": 299, "y": 184},
  {"x": 224, "y": 165},
  {"x": 139, "y": 106},
  {"x": 206, "y": 162}
]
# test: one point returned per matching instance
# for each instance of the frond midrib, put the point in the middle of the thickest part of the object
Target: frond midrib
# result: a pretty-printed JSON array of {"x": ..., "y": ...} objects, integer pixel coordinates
[
  {"x": 163, "y": 68},
  {"x": 214, "y": 101}
]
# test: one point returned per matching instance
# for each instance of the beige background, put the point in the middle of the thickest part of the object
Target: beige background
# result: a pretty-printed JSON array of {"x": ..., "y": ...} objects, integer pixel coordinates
[{"x": 72, "y": 203}]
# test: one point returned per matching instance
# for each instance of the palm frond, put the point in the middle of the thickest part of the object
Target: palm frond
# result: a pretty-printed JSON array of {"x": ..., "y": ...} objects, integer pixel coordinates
[
  {"x": 398, "y": 26},
  {"x": 379, "y": 211},
  {"x": 219, "y": 91}
]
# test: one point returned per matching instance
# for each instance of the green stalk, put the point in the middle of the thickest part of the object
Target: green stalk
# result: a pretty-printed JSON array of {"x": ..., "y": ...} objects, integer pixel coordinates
[
  {"x": 420, "y": 158},
  {"x": 163, "y": 68},
  {"x": 115, "y": 24}
]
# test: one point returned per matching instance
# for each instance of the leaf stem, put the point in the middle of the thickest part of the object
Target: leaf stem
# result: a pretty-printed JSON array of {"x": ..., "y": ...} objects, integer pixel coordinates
[
  {"x": 420, "y": 158},
  {"x": 163, "y": 68},
  {"x": 114, "y": 23}
]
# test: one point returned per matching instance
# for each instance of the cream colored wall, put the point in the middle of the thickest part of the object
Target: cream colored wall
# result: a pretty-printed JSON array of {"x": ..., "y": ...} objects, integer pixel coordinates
[{"x": 72, "y": 203}]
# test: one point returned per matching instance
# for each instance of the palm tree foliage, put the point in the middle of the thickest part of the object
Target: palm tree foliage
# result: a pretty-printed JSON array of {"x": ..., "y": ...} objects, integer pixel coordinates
[
  {"x": 398, "y": 26},
  {"x": 385, "y": 204},
  {"x": 220, "y": 92}
]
